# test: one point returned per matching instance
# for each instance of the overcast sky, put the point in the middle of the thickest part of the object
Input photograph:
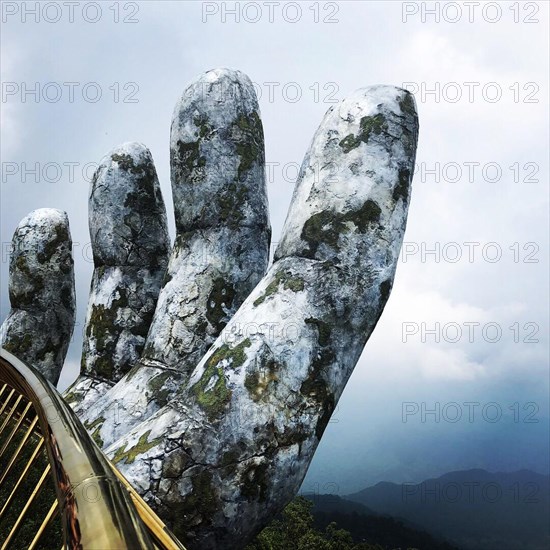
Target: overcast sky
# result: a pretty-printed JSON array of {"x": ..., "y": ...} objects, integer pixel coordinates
[{"x": 480, "y": 76}]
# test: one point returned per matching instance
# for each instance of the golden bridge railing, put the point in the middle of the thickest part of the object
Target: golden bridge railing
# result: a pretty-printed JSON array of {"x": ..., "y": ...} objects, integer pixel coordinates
[{"x": 57, "y": 488}]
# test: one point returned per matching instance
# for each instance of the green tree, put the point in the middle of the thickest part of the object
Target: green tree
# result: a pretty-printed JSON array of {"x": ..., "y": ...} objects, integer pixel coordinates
[{"x": 294, "y": 529}]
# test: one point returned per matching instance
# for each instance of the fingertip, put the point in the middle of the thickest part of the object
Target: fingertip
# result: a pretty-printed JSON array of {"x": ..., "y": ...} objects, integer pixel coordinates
[
  {"x": 125, "y": 198},
  {"x": 41, "y": 291},
  {"x": 41, "y": 249},
  {"x": 354, "y": 184},
  {"x": 217, "y": 154}
]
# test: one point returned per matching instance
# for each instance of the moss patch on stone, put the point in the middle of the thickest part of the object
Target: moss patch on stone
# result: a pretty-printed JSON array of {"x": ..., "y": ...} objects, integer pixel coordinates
[
  {"x": 138, "y": 201},
  {"x": 211, "y": 391},
  {"x": 323, "y": 227},
  {"x": 126, "y": 162},
  {"x": 73, "y": 397},
  {"x": 95, "y": 428},
  {"x": 326, "y": 226},
  {"x": 229, "y": 460},
  {"x": 22, "y": 265},
  {"x": 220, "y": 300},
  {"x": 401, "y": 190},
  {"x": 174, "y": 464},
  {"x": 159, "y": 392},
  {"x": 368, "y": 125},
  {"x": 249, "y": 146},
  {"x": 103, "y": 329},
  {"x": 367, "y": 214},
  {"x": 145, "y": 168},
  {"x": 190, "y": 160},
  {"x": 406, "y": 104},
  {"x": 97, "y": 437},
  {"x": 289, "y": 282},
  {"x": 142, "y": 446},
  {"x": 323, "y": 330},
  {"x": 236, "y": 355},
  {"x": 258, "y": 382},
  {"x": 314, "y": 386},
  {"x": 230, "y": 203},
  {"x": 201, "y": 122},
  {"x": 196, "y": 509},
  {"x": 33, "y": 278},
  {"x": 203, "y": 498},
  {"x": 103, "y": 367},
  {"x": 90, "y": 425},
  {"x": 214, "y": 399},
  {"x": 100, "y": 325},
  {"x": 18, "y": 344},
  {"x": 61, "y": 237},
  {"x": 156, "y": 383}
]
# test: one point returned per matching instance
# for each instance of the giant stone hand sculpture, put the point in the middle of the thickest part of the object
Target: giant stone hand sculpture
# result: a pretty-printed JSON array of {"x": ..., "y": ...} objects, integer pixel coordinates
[{"x": 213, "y": 399}]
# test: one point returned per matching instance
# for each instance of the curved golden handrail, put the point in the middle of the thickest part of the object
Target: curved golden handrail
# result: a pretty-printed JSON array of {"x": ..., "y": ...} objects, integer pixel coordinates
[{"x": 99, "y": 508}]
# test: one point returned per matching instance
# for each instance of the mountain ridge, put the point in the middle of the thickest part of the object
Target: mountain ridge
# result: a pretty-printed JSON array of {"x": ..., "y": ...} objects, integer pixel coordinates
[{"x": 475, "y": 509}]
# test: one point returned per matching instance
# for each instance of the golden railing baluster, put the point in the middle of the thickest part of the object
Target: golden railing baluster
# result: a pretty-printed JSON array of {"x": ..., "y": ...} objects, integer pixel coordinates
[
  {"x": 11, "y": 413},
  {"x": 22, "y": 476},
  {"x": 6, "y": 402},
  {"x": 16, "y": 427},
  {"x": 51, "y": 513},
  {"x": 117, "y": 517},
  {"x": 28, "y": 433},
  {"x": 23, "y": 513}
]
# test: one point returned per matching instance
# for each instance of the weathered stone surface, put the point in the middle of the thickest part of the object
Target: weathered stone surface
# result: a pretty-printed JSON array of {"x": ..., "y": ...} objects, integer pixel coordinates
[
  {"x": 40, "y": 324},
  {"x": 237, "y": 439},
  {"x": 128, "y": 230},
  {"x": 218, "y": 448},
  {"x": 220, "y": 202},
  {"x": 221, "y": 249},
  {"x": 127, "y": 216},
  {"x": 209, "y": 276},
  {"x": 217, "y": 154}
]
